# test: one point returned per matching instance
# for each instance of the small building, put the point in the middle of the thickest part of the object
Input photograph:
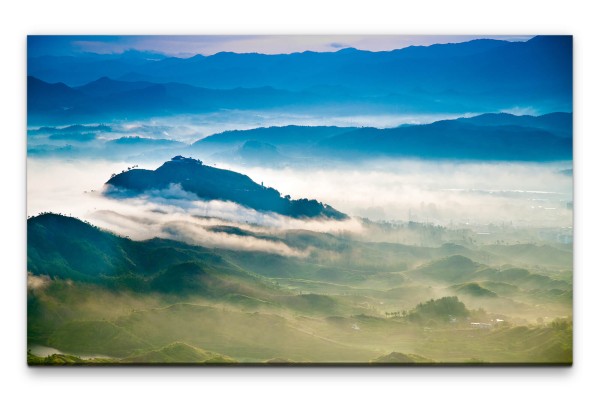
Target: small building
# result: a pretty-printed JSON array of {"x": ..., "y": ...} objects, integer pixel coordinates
[{"x": 479, "y": 325}]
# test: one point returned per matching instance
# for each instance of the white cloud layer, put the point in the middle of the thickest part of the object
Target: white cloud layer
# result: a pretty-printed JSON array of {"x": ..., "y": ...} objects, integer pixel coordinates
[
  {"x": 527, "y": 194},
  {"x": 521, "y": 194},
  {"x": 66, "y": 187}
]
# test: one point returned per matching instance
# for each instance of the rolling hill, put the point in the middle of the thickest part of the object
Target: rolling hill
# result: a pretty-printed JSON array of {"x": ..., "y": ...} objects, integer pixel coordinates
[
  {"x": 120, "y": 301},
  {"x": 66, "y": 248}
]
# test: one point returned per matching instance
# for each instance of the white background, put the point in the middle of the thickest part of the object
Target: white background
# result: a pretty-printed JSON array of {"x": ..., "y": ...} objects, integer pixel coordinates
[{"x": 19, "y": 18}]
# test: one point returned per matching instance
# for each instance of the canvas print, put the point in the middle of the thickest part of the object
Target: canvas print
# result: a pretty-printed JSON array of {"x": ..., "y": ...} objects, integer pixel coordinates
[{"x": 283, "y": 200}]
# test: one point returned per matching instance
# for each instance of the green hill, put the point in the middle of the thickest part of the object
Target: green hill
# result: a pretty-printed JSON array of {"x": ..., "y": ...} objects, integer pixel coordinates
[
  {"x": 101, "y": 337},
  {"x": 60, "y": 246},
  {"x": 451, "y": 269},
  {"x": 67, "y": 248},
  {"x": 521, "y": 277},
  {"x": 439, "y": 310},
  {"x": 178, "y": 353},
  {"x": 473, "y": 290},
  {"x": 241, "y": 335},
  {"x": 400, "y": 358},
  {"x": 532, "y": 254}
]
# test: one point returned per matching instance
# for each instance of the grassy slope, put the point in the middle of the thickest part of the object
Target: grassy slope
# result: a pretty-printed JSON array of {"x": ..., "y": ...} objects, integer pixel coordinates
[
  {"x": 178, "y": 352},
  {"x": 134, "y": 300}
]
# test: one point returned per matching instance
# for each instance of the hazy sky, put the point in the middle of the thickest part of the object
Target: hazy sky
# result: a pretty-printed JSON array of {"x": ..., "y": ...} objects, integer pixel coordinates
[{"x": 185, "y": 46}]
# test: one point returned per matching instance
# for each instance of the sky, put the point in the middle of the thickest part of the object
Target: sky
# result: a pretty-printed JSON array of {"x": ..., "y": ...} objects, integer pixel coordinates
[{"x": 186, "y": 46}]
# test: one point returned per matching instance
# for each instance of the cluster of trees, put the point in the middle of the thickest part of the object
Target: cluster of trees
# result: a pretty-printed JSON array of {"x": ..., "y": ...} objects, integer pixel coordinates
[
  {"x": 122, "y": 171},
  {"x": 439, "y": 309},
  {"x": 51, "y": 214},
  {"x": 395, "y": 314}
]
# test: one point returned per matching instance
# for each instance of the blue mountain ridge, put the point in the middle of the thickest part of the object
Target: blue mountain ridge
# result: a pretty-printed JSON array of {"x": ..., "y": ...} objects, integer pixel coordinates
[
  {"x": 498, "y": 136},
  {"x": 477, "y": 76}
]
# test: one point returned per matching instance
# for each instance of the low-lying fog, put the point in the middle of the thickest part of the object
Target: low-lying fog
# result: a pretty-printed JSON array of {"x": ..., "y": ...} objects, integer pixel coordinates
[
  {"x": 521, "y": 194},
  {"x": 445, "y": 193},
  {"x": 524, "y": 194},
  {"x": 190, "y": 128},
  {"x": 74, "y": 188}
]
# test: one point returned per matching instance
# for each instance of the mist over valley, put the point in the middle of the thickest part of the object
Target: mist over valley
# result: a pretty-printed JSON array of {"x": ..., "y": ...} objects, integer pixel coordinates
[{"x": 411, "y": 206}]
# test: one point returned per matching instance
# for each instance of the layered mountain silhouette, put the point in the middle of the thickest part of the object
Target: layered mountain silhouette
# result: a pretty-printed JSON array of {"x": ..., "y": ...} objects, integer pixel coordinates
[
  {"x": 475, "y": 76},
  {"x": 437, "y": 67},
  {"x": 107, "y": 99},
  {"x": 453, "y": 140},
  {"x": 486, "y": 137},
  {"x": 499, "y": 137},
  {"x": 211, "y": 183},
  {"x": 559, "y": 124}
]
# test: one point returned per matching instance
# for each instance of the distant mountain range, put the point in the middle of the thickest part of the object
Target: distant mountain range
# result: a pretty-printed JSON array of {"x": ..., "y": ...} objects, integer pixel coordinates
[
  {"x": 436, "y": 68},
  {"x": 211, "y": 183},
  {"x": 500, "y": 137},
  {"x": 476, "y": 76},
  {"x": 108, "y": 100},
  {"x": 485, "y": 137}
]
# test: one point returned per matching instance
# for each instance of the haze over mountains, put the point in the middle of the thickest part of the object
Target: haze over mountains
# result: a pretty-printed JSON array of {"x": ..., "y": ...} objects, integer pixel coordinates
[
  {"x": 448, "y": 169},
  {"x": 485, "y": 137},
  {"x": 349, "y": 301},
  {"x": 476, "y": 76},
  {"x": 497, "y": 137}
]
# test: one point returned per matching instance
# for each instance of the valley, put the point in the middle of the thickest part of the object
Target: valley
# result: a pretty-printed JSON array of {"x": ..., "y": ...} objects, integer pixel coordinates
[
  {"x": 342, "y": 303},
  {"x": 356, "y": 206}
]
